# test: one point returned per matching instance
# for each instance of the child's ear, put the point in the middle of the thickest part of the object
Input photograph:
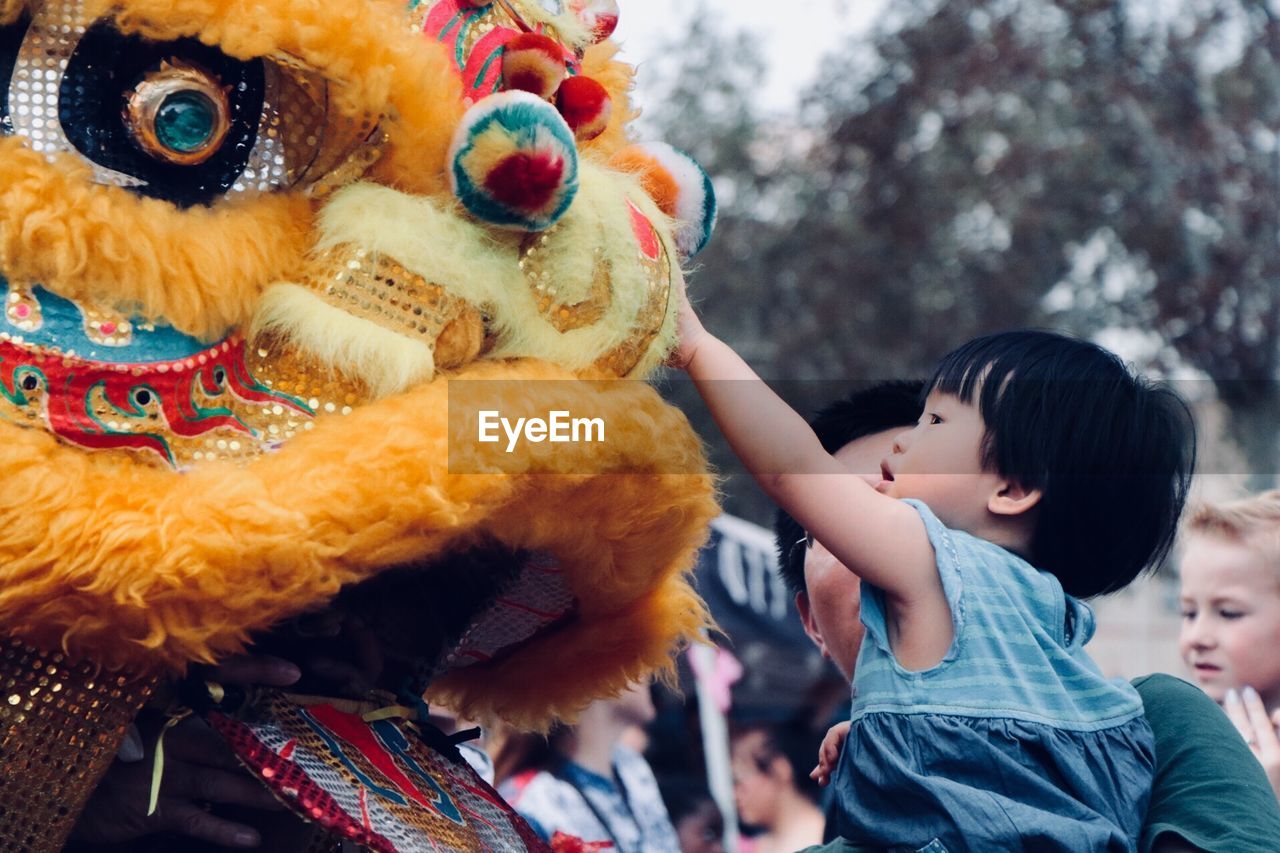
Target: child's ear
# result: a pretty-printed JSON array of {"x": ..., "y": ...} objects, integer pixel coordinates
[{"x": 1011, "y": 498}]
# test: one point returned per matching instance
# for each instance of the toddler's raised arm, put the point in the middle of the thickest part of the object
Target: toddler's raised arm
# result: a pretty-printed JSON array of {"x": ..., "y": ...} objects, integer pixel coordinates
[{"x": 881, "y": 539}]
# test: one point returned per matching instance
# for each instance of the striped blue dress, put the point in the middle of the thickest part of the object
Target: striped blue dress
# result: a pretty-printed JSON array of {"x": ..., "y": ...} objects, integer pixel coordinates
[{"x": 1014, "y": 741}]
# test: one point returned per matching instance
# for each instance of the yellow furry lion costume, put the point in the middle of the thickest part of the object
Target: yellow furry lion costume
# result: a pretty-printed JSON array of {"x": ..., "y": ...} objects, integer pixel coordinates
[{"x": 266, "y": 264}]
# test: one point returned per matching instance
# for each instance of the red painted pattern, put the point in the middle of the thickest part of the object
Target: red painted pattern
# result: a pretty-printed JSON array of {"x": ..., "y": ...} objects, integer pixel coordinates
[
  {"x": 481, "y": 68},
  {"x": 646, "y": 236},
  {"x": 71, "y": 386}
]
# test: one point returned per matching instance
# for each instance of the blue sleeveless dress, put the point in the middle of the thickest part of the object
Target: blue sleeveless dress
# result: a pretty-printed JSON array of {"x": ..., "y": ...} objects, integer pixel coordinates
[{"x": 1014, "y": 741}]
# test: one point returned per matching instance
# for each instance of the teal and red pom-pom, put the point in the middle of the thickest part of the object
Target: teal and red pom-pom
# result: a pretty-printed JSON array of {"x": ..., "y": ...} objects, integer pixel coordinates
[
  {"x": 533, "y": 63},
  {"x": 585, "y": 105},
  {"x": 693, "y": 204},
  {"x": 600, "y": 16},
  {"x": 514, "y": 162}
]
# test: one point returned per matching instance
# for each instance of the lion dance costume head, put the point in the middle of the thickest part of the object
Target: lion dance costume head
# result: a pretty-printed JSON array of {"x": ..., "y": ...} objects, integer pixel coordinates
[{"x": 265, "y": 263}]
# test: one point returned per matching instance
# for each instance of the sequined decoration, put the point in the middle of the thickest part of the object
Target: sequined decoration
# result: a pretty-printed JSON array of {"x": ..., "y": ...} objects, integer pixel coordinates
[
  {"x": 376, "y": 288},
  {"x": 376, "y": 783},
  {"x": 543, "y": 282},
  {"x": 652, "y": 255},
  {"x": 62, "y": 724},
  {"x": 478, "y": 36},
  {"x": 107, "y": 328},
  {"x": 22, "y": 309},
  {"x": 300, "y": 137},
  {"x": 56, "y": 28},
  {"x": 170, "y": 413},
  {"x": 537, "y": 599}
]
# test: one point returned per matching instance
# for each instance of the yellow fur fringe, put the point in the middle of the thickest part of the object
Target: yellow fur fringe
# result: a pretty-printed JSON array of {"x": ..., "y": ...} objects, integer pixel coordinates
[
  {"x": 142, "y": 568},
  {"x": 480, "y": 266},
  {"x": 201, "y": 270},
  {"x": 365, "y": 47},
  {"x": 10, "y": 10},
  {"x": 600, "y": 63}
]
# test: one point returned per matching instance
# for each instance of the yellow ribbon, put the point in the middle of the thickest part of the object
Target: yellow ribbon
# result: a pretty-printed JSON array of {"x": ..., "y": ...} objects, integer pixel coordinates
[
  {"x": 157, "y": 764},
  {"x": 391, "y": 712}
]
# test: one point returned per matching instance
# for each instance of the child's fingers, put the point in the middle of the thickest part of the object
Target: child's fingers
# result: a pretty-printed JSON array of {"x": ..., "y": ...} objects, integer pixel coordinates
[
  {"x": 1263, "y": 733},
  {"x": 1238, "y": 716}
]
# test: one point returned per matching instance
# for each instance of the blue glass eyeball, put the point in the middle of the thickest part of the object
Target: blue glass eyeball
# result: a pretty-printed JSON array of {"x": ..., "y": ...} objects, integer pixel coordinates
[
  {"x": 186, "y": 122},
  {"x": 178, "y": 114}
]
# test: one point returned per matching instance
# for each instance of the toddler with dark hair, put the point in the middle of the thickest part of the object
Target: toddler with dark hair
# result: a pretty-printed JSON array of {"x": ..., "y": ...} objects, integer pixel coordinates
[{"x": 1040, "y": 472}]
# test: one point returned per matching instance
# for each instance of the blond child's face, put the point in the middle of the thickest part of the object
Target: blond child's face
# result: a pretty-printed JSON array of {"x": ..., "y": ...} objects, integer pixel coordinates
[
  {"x": 1230, "y": 603},
  {"x": 939, "y": 462}
]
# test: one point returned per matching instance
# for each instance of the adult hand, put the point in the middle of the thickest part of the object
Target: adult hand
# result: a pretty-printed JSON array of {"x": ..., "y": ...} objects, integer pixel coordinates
[
  {"x": 1249, "y": 716},
  {"x": 199, "y": 769}
]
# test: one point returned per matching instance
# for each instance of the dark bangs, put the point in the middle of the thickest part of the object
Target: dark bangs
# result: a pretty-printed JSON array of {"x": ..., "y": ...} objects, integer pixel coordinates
[{"x": 1111, "y": 453}]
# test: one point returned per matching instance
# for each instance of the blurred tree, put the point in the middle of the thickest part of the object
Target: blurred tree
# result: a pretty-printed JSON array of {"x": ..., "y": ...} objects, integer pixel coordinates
[
  {"x": 1006, "y": 147},
  {"x": 977, "y": 165}
]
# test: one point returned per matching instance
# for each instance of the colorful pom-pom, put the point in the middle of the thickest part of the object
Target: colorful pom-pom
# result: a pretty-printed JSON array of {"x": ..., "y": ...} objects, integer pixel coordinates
[
  {"x": 514, "y": 162},
  {"x": 599, "y": 16},
  {"x": 585, "y": 105},
  {"x": 679, "y": 186},
  {"x": 533, "y": 63}
]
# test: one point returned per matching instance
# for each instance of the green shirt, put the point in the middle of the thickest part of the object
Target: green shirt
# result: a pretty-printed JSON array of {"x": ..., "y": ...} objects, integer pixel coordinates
[{"x": 1209, "y": 789}]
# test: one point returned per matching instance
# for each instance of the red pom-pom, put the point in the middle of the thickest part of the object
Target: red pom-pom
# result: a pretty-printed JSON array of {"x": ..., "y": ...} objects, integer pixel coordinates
[
  {"x": 526, "y": 180},
  {"x": 600, "y": 16},
  {"x": 585, "y": 105},
  {"x": 533, "y": 63}
]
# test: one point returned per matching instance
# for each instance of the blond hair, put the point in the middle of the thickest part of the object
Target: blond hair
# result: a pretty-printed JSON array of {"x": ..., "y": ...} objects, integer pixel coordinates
[{"x": 1254, "y": 520}]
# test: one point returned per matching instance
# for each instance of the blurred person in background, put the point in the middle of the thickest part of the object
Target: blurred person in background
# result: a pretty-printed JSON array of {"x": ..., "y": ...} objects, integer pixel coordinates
[
  {"x": 583, "y": 781},
  {"x": 698, "y": 822},
  {"x": 772, "y": 788},
  {"x": 1230, "y": 600}
]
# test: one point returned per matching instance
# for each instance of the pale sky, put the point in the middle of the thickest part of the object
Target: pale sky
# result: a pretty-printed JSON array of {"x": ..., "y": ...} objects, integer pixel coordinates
[{"x": 794, "y": 47}]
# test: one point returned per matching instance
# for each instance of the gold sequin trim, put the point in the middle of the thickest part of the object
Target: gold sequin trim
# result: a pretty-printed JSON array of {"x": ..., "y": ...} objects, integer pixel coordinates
[
  {"x": 61, "y": 725},
  {"x": 377, "y": 288},
  {"x": 535, "y": 257},
  {"x": 624, "y": 357},
  {"x": 22, "y": 309}
]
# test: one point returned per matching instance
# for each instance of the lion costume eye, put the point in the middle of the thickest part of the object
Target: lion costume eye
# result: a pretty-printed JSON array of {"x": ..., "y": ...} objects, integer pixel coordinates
[
  {"x": 178, "y": 114},
  {"x": 176, "y": 120}
]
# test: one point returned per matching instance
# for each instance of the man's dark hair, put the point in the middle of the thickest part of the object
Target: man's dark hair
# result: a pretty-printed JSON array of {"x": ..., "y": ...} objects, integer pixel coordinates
[
  {"x": 790, "y": 740},
  {"x": 1111, "y": 452},
  {"x": 864, "y": 412}
]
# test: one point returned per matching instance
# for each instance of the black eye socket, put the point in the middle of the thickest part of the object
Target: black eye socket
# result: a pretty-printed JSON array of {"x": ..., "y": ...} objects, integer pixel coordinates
[
  {"x": 10, "y": 42},
  {"x": 179, "y": 116}
]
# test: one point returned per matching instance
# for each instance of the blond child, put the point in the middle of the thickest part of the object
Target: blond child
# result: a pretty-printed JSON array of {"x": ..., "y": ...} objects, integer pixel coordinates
[{"x": 1230, "y": 601}]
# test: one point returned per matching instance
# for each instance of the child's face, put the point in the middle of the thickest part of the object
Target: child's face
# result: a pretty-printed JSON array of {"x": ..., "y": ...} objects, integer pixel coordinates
[
  {"x": 1230, "y": 617},
  {"x": 939, "y": 462}
]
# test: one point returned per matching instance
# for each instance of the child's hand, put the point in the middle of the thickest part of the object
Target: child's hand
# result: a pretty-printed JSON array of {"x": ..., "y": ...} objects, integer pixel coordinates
[
  {"x": 690, "y": 331},
  {"x": 1260, "y": 731},
  {"x": 829, "y": 752}
]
